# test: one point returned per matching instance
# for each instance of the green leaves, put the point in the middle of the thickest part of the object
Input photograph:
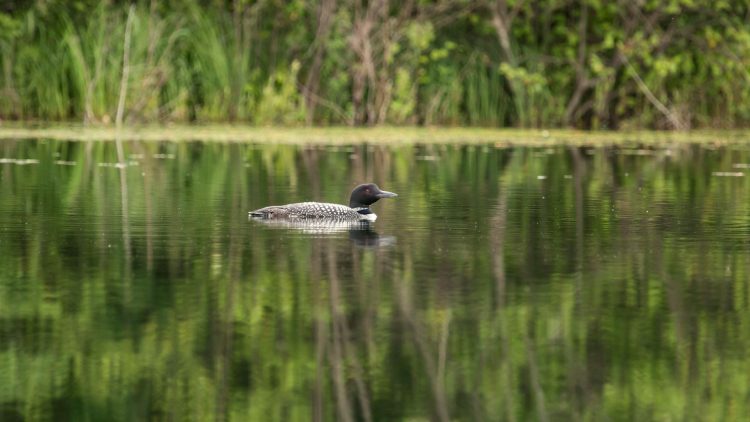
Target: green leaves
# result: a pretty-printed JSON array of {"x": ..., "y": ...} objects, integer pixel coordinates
[
  {"x": 280, "y": 101},
  {"x": 420, "y": 34},
  {"x": 9, "y": 27}
]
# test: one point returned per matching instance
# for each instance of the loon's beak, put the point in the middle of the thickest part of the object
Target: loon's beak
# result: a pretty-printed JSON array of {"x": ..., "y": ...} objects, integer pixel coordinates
[{"x": 385, "y": 194}]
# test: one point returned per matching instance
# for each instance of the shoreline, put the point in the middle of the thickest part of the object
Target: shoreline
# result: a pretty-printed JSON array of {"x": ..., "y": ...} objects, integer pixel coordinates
[{"x": 378, "y": 135}]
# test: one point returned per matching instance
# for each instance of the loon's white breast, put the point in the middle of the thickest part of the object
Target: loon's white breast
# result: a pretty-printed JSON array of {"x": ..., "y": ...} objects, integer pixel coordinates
[{"x": 370, "y": 217}]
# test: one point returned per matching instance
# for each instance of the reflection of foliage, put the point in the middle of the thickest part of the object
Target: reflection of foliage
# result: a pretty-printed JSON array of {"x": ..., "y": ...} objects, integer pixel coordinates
[{"x": 622, "y": 294}]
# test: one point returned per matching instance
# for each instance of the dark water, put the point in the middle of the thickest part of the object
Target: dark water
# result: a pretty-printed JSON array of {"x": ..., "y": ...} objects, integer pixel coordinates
[{"x": 560, "y": 283}]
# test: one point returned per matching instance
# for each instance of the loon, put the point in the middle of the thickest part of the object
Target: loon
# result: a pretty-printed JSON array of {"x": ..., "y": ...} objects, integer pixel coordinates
[{"x": 358, "y": 210}]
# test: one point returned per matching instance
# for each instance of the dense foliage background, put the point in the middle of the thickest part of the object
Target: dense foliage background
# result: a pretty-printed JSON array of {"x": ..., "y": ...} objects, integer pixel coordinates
[{"x": 523, "y": 63}]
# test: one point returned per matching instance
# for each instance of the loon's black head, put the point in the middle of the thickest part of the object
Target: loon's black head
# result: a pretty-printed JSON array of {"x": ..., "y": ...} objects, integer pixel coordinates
[{"x": 365, "y": 195}]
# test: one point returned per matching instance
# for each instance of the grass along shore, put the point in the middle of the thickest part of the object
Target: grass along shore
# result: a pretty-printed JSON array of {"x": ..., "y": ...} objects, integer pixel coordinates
[{"x": 379, "y": 135}]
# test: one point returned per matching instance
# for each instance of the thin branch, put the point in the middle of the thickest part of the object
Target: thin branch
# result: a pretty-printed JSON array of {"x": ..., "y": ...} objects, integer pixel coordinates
[
  {"x": 125, "y": 69},
  {"x": 329, "y": 105},
  {"x": 673, "y": 119}
]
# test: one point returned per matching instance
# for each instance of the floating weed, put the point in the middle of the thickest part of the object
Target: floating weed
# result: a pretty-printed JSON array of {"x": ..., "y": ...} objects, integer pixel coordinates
[
  {"x": 728, "y": 174},
  {"x": 637, "y": 152},
  {"x": 119, "y": 165},
  {"x": 20, "y": 162},
  {"x": 112, "y": 165}
]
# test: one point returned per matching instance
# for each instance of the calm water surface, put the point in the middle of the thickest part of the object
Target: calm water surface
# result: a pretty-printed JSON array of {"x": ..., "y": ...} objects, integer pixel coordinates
[{"x": 555, "y": 283}]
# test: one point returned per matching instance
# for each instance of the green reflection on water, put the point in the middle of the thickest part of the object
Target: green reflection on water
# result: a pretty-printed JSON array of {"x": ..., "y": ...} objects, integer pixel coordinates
[{"x": 503, "y": 284}]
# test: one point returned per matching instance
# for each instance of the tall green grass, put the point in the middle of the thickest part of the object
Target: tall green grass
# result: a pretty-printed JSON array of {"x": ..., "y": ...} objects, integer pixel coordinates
[
  {"x": 487, "y": 99},
  {"x": 188, "y": 66}
]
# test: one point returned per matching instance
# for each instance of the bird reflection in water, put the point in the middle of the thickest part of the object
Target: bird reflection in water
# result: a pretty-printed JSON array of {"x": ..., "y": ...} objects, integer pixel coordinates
[
  {"x": 361, "y": 233},
  {"x": 369, "y": 238}
]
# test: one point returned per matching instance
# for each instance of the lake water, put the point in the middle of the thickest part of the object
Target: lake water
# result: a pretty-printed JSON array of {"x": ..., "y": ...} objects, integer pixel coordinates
[{"x": 504, "y": 283}]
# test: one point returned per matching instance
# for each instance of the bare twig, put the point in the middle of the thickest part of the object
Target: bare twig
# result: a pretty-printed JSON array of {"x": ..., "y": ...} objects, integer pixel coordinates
[{"x": 673, "y": 119}]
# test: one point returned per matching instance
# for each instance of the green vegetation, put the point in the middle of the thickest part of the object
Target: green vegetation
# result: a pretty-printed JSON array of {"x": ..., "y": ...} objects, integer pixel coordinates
[
  {"x": 500, "y": 63},
  {"x": 614, "y": 289}
]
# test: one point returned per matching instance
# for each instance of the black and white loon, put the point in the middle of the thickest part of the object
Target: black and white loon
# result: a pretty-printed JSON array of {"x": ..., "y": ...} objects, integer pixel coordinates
[{"x": 358, "y": 210}]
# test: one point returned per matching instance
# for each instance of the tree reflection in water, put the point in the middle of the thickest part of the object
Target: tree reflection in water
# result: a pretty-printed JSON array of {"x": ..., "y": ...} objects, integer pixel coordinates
[{"x": 504, "y": 284}]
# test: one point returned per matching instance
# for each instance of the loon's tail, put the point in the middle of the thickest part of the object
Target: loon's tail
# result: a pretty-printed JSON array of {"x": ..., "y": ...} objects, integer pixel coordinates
[
  {"x": 261, "y": 213},
  {"x": 268, "y": 212}
]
